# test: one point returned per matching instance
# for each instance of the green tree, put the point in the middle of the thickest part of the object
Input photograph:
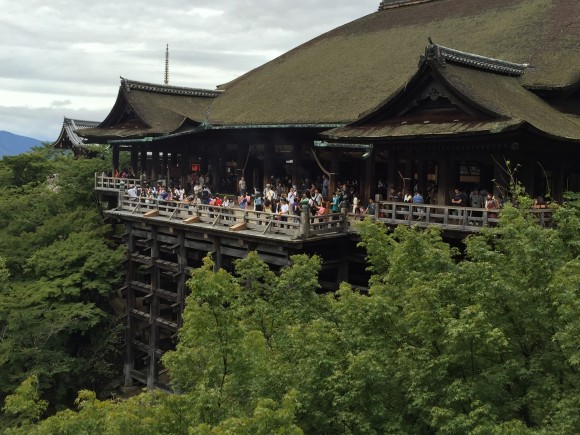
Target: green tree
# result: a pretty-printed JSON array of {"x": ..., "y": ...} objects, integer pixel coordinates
[{"x": 55, "y": 320}]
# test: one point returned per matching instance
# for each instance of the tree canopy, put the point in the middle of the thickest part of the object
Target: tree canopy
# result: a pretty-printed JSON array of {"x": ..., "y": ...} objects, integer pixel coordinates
[
  {"x": 479, "y": 341},
  {"x": 57, "y": 269}
]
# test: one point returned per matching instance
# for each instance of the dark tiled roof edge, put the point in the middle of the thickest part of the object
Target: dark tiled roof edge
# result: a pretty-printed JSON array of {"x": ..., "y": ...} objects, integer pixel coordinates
[
  {"x": 130, "y": 85},
  {"x": 446, "y": 54},
  {"x": 389, "y": 4}
]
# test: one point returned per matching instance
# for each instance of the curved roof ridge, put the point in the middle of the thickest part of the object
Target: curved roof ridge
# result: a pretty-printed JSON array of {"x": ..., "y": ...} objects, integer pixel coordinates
[
  {"x": 445, "y": 54},
  {"x": 130, "y": 85},
  {"x": 390, "y": 4}
]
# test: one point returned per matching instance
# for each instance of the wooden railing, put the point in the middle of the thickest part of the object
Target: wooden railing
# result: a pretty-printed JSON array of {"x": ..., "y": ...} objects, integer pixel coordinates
[
  {"x": 463, "y": 219},
  {"x": 292, "y": 226},
  {"x": 114, "y": 183},
  {"x": 467, "y": 219}
]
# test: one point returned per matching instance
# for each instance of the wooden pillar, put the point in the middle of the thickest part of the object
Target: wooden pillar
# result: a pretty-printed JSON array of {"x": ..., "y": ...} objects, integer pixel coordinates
[
  {"x": 165, "y": 167},
  {"x": 243, "y": 151},
  {"x": 499, "y": 175},
  {"x": 392, "y": 173},
  {"x": 135, "y": 159},
  {"x": 181, "y": 283},
  {"x": 296, "y": 163},
  {"x": 115, "y": 158},
  {"x": 559, "y": 182},
  {"x": 216, "y": 166},
  {"x": 268, "y": 158},
  {"x": 184, "y": 170},
  {"x": 409, "y": 175},
  {"x": 342, "y": 274},
  {"x": 334, "y": 172},
  {"x": 445, "y": 181},
  {"x": 422, "y": 177},
  {"x": 153, "y": 311},
  {"x": 155, "y": 166},
  {"x": 217, "y": 254},
  {"x": 144, "y": 159},
  {"x": 129, "y": 305},
  {"x": 368, "y": 188}
]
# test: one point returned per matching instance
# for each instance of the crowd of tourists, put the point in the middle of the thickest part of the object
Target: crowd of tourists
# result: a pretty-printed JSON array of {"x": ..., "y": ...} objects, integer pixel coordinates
[{"x": 280, "y": 196}]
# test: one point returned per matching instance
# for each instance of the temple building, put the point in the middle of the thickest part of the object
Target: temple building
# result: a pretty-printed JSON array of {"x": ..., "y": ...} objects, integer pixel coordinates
[
  {"x": 70, "y": 139},
  {"x": 426, "y": 95},
  {"x": 268, "y": 120}
]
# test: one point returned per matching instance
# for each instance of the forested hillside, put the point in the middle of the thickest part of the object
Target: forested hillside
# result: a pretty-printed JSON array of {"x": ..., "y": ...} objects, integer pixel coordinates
[
  {"x": 482, "y": 341},
  {"x": 57, "y": 269}
]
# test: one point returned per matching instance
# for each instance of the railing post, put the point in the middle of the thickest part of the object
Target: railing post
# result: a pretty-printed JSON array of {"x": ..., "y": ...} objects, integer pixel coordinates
[
  {"x": 305, "y": 222},
  {"x": 344, "y": 213},
  {"x": 378, "y": 198},
  {"x": 121, "y": 194}
]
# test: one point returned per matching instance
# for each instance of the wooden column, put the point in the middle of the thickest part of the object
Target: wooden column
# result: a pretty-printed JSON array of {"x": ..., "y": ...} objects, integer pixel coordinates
[
  {"x": 243, "y": 150},
  {"x": 153, "y": 311},
  {"x": 334, "y": 172},
  {"x": 135, "y": 159},
  {"x": 216, "y": 165},
  {"x": 130, "y": 304},
  {"x": 181, "y": 283},
  {"x": 393, "y": 179},
  {"x": 143, "y": 159},
  {"x": 499, "y": 175},
  {"x": 165, "y": 167},
  {"x": 559, "y": 182},
  {"x": 296, "y": 163},
  {"x": 422, "y": 177},
  {"x": 155, "y": 166},
  {"x": 268, "y": 158},
  {"x": 217, "y": 254},
  {"x": 368, "y": 188},
  {"x": 445, "y": 182},
  {"x": 115, "y": 158}
]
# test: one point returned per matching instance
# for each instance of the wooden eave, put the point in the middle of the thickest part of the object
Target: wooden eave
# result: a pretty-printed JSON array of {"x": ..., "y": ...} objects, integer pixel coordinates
[
  {"x": 69, "y": 137},
  {"x": 485, "y": 88}
]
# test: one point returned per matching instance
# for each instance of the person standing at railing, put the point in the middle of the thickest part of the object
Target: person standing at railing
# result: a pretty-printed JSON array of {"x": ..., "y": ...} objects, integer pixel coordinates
[
  {"x": 133, "y": 193},
  {"x": 284, "y": 210},
  {"x": 476, "y": 201},
  {"x": 458, "y": 200},
  {"x": 418, "y": 199},
  {"x": 491, "y": 205},
  {"x": 242, "y": 186}
]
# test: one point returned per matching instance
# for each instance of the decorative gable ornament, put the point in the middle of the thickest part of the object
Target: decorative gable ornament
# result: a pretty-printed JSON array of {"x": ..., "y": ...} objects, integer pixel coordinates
[{"x": 443, "y": 54}]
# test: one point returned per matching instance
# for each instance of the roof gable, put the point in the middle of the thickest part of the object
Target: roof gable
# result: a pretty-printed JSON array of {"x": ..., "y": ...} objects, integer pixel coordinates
[
  {"x": 68, "y": 137},
  {"x": 454, "y": 92},
  {"x": 146, "y": 109}
]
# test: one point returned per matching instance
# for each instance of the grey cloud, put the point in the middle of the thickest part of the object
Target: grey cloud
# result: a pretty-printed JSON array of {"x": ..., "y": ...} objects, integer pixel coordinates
[{"x": 73, "y": 50}]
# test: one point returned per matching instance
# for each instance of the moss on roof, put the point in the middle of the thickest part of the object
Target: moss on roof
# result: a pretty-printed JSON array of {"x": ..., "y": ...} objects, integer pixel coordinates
[
  {"x": 341, "y": 74},
  {"x": 507, "y": 104},
  {"x": 158, "y": 113}
]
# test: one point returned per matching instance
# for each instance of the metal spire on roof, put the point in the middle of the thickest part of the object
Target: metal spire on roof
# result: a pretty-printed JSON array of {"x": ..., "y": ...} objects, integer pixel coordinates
[{"x": 166, "y": 64}]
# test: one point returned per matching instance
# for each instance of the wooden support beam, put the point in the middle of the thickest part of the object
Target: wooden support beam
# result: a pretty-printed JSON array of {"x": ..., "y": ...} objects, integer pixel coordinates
[
  {"x": 239, "y": 227},
  {"x": 151, "y": 213},
  {"x": 192, "y": 220}
]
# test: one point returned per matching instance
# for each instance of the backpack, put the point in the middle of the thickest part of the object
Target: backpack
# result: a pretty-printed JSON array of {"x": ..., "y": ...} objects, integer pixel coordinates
[{"x": 258, "y": 200}]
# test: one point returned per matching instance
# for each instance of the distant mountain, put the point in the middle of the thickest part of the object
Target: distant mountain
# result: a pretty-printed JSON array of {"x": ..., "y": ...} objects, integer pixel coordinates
[{"x": 12, "y": 144}]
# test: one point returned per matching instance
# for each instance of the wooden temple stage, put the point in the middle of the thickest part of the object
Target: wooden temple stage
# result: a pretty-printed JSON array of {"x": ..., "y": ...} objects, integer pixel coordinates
[{"x": 166, "y": 240}]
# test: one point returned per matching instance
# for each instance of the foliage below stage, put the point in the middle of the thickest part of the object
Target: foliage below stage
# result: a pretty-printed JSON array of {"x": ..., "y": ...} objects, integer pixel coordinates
[
  {"x": 57, "y": 269},
  {"x": 485, "y": 342}
]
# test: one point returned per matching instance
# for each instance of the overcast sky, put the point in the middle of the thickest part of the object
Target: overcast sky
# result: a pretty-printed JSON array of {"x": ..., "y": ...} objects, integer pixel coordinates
[{"x": 65, "y": 57}]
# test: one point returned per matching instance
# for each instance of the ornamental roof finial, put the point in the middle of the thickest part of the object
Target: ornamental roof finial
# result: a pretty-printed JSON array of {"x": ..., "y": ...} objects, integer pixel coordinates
[{"x": 166, "y": 81}]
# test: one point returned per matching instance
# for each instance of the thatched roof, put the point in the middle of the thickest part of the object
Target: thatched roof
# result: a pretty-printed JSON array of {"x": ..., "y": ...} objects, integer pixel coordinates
[
  {"x": 68, "y": 137},
  {"x": 341, "y": 74},
  {"x": 480, "y": 95},
  {"x": 146, "y": 109}
]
